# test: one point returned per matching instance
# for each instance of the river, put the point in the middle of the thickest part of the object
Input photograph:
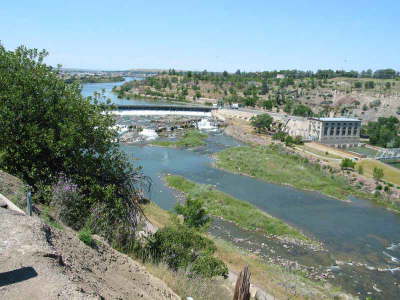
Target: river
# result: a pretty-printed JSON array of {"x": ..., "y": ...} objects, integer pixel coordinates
[{"x": 363, "y": 239}]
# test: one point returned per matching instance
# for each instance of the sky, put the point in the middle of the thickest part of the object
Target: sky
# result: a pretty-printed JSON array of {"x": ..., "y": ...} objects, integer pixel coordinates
[{"x": 213, "y": 35}]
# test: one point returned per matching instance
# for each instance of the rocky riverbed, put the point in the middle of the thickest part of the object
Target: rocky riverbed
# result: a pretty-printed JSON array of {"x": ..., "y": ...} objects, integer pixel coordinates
[{"x": 139, "y": 129}]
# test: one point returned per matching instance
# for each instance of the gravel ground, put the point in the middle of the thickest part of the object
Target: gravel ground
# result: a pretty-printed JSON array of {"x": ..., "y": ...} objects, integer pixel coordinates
[{"x": 40, "y": 262}]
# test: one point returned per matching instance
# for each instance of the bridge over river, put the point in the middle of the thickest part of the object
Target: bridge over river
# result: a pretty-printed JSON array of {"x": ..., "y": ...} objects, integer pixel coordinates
[{"x": 142, "y": 110}]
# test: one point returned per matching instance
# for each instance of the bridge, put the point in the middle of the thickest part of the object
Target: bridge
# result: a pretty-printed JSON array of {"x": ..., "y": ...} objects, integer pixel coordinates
[
  {"x": 162, "y": 110},
  {"x": 388, "y": 154}
]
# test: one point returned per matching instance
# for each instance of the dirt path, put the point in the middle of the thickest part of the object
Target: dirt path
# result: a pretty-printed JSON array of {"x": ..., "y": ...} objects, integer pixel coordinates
[{"x": 40, "y": 262}]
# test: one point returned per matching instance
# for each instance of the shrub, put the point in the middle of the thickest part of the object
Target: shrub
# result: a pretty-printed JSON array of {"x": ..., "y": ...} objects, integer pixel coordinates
[
  {"x": 261, "y": 122},
  {"x": 181, "y": 247},
  {"x": 378, "y": 187},
  {"x": 360, "y": 170},
  {"x": 280, "y": 136},
  {"x": 194, "y": 213},
  {"x": 68, "y": 203},
  {"x": 377, "y": 173},
  {"x": 347, "y": 163},
  {"x": 85, "y": 235}
]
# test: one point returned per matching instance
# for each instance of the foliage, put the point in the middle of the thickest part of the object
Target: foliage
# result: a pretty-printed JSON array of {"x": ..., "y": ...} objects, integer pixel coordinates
[
  {"x": 377, "y": 173},
  {"x": 231, "y": 209},
  {"x": 280, "y": 135},
  {"x": 49, "y": 129},
  {"x": 181, "y": 247},
  {"x": 289, "y": 140},
  {"x": 85, "y": 235},
  {"x": 69, "y": 203},
  {"x": 277, "y": 165},
  {"x": 360, "y": 170},
  {"x": 347, "y": 163},
  {"x": 302, "y": 111},
  {"x": 267, "y": 104},
  {"x": 191, "y": 138},
  {"x": 49, "y": 220},
  {"x": 261, "y": 122},
  {"x": 194, "y": 213},
  {"x": 384, "y": 132}
]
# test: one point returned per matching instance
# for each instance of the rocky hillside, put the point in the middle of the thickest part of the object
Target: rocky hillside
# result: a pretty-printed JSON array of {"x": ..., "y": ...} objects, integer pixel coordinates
[
  {"x": 40, "y": 262},
  {"x": 366, "y": 98}
]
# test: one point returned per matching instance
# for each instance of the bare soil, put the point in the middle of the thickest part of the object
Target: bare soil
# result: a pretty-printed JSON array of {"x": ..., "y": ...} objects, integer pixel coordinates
[{"x": 41, "y": 262}]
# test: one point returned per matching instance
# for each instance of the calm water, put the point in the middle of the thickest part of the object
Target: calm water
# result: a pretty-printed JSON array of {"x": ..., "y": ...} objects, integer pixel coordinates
[{"x": 356, "y": 232}]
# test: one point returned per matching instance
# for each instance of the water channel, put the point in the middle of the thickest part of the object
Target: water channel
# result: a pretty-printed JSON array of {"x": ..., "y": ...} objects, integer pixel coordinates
[{"x": 363, "y": 240}]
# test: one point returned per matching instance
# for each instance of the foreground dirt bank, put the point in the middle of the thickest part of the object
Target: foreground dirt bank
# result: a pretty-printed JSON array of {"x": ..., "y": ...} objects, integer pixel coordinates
[{"x": 40, "y": 262}]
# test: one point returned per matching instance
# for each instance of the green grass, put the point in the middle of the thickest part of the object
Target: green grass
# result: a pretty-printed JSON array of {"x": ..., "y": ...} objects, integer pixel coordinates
[
  {"x": 85, "y": 235},
  {"x": 240, "y": 212},
  {"x": 49, "y": 220},
  {"x": 273, "y": 165},
  {"x": 391, "y": 173},
  {"x": 191, "y": 139}
]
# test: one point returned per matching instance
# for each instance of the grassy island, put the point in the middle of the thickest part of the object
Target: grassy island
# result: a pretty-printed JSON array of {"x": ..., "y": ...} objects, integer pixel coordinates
[
  {"x": 272, "y": 165},
  {"x": 191, "y": 139},
  {"x": 229, "y": 208}
]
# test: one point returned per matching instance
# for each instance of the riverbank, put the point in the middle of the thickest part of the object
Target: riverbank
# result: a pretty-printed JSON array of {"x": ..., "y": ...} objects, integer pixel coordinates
[
  {"x": 279, "y": 281},
  {"x": 243, "y": 214}
]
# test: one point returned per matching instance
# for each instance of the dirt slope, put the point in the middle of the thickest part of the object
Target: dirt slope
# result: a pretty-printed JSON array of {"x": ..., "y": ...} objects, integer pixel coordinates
[{"x": 40, "y": 262}]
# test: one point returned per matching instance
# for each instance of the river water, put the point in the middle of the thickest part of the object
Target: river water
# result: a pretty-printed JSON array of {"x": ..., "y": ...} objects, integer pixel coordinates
[{"x": 363, "y": 240}]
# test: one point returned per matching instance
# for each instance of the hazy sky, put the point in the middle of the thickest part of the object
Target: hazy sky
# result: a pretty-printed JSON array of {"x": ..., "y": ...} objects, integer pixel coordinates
[{"x": 213, "y": 35}]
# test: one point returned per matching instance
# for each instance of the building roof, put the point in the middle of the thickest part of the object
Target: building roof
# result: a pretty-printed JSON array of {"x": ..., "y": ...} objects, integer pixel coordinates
[{"x": 338, "y": 119}]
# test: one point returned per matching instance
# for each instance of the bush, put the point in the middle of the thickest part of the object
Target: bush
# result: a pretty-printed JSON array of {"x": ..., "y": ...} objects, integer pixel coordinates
[
  {"x": 261, "y": 122},
  {"x": 194, "y": 213},
  {"x": 360, "y": 170},
  {"x": 181, "y": 247},
  {"x": 68, "y": 203},
  {"x": 377, "y": 173},
  {"x": 378, "y": 187},
  {"x": 347, "y": 163},
  {"x": 85, "y": 235},
  {"x": 280, "y": 136}
]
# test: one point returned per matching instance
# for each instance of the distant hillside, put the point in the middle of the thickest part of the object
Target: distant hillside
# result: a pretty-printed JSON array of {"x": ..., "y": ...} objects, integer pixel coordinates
[{"x": 366, "y": 98}]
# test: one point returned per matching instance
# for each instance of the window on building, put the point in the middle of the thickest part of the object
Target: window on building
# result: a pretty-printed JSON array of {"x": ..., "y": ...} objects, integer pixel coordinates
[
  {"x": 338, "y": 129},
  {"x": 349, "y": 129},
  {"x": 325, "y": 130},
  {"x": 344, "y": 129},
  {"x": 355, "y": 129},
  {"x": 332, "y": 131}
]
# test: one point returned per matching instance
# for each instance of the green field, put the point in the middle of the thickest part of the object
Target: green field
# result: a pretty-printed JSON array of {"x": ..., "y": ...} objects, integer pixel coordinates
[{"x": 240, "y": 212}]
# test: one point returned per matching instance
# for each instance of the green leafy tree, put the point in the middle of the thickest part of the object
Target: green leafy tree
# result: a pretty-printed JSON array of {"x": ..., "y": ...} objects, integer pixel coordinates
[
  {"x": 264, "y": 88},
  {"x": 303, "y": 111},
  {"x": 267, "y": 104},
  {"x": 347, "y": 163},
  {"x": 194, "y": 213},
  {"x": 48, "y": 129},
  {"x": 261, "y": 122},
  {"x": 377, "y": 173}
]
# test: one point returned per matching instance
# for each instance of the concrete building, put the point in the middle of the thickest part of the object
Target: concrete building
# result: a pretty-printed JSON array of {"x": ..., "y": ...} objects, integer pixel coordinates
[{"x": 337, "y": 132}]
